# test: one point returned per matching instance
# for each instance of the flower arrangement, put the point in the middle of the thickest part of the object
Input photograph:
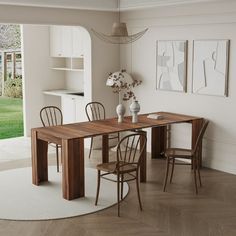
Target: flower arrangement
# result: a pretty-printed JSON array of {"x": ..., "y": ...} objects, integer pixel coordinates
[{"x": 122, "y": 81}]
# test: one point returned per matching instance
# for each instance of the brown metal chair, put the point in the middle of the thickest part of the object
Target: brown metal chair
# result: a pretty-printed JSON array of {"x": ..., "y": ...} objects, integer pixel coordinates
[
  {"x": 127, "y": 165},
  {"x": 51, "y": 116},
  {"x": 192, "y": 154},
  {"x": 96, "y": 111}
]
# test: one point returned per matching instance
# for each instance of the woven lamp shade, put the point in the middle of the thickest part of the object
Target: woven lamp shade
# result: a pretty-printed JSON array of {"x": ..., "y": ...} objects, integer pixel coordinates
[
  {"x": 119, "y": 34},
  {"x": 119, "y": 29}
]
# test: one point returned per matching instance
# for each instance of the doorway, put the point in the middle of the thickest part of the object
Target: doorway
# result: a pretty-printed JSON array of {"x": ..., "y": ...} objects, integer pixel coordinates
[{"x": 11, "y": 98}]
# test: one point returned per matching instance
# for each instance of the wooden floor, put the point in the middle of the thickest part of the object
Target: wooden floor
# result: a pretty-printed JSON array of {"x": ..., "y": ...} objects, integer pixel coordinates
[{"x": 177, "y": 212}]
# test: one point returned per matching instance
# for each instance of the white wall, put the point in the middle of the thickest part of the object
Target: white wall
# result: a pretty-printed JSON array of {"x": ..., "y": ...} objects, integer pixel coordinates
[
  {"x": 197, "y": 21},
  {"x": 38, "y": 76}
]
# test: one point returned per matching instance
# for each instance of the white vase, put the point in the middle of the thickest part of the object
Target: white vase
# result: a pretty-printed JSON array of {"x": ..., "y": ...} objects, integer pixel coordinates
[
  {"x": 120, "y": 110},
  {"x": 134, "y": 109}
]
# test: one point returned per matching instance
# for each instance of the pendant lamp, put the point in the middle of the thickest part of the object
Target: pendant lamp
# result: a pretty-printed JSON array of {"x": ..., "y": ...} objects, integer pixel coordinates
[{"x": 119, "y": 34}]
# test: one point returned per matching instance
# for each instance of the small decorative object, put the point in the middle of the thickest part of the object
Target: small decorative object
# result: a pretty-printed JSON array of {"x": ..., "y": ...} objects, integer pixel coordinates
[
  {"x": 171, "y": 65},
  {"x": 120, "y": 110},
  {"x": 134, "y": 109},
  {"x": 210, "y": 67},
  {"x": 121, "y": 81}
]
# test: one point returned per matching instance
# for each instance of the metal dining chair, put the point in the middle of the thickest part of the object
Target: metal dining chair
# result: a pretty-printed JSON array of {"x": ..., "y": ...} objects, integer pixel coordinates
[
  {"x": 127, "y": 165},
  {"x": 96, "y": 111},
  {"x": 172, "y": 154},
  {"x": 51, "y": 116}
]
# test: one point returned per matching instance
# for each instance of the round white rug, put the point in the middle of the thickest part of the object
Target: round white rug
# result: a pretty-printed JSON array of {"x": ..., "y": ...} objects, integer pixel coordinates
[{"x": 21, "y": 200}]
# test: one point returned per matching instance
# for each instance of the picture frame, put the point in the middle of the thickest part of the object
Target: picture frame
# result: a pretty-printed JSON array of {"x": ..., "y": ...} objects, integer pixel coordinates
[
  {"x": 210, "y": 67},
  {"x": 171, "y": 65}
]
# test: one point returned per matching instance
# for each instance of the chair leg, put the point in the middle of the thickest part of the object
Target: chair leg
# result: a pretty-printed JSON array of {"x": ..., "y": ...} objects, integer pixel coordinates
[
  {"x": 138, "y": 192},
  {"x": 98, "y": 187},
  {"x": 167, "y": 173},
  {"x": 198, "y": 170},
  {"x": 91, "y": 146},
  {"x": 172, "y": 170},
  {"x": 118, "y": 193},
  {"x": 195, "y": 174},
  {"x": 57, "y": 157},
  {"x": 122, "y": 186},
  {"x": 118, "y": 137}
]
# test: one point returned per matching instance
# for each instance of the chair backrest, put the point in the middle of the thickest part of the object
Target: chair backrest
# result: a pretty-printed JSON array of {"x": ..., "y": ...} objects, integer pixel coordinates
[
  {"x": 134, "y": 147},
  {"x": 200, "y": 136},
  {"x": 51, "y": 116},
  {"x": 95, "y": 111}
]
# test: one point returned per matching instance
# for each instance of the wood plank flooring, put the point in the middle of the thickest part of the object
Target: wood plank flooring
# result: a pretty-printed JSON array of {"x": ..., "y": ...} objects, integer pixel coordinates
[{"x": 176, "y": 212}]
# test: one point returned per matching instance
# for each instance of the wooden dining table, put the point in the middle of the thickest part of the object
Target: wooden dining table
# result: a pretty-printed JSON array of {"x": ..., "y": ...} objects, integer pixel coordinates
[{"x": 71, "y": 138}]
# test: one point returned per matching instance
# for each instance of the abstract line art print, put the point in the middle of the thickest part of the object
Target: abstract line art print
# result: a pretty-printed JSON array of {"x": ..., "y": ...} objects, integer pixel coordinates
[
  {"x": 210, "y": 67},
  {"x": 171, "y": 65}
]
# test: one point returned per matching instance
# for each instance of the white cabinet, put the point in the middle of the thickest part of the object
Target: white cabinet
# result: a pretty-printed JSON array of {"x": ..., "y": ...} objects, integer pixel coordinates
[
  {"x": 55, "y": 41},
  {"x": 66, "y": 36},
  {"x": 66, "y": 41},
  {"x": 60, "y": 41},
  {"x": 72, "y": 109},
  {"x": 68, "y": 109},
  {"x": 77, "y": 42}
]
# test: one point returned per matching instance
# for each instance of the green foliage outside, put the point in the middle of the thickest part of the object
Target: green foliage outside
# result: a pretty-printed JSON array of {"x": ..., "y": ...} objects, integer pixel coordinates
[
  {"x": 11, "y": 118},
  {"x": 13, "y": 88}
]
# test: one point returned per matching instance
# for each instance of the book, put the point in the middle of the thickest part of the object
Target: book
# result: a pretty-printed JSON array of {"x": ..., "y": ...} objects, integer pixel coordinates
[{"x": 155, "y": 116}]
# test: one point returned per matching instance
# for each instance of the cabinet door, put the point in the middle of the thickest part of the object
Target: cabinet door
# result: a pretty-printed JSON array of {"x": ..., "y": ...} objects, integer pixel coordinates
[
  {"x": 77, "y": 42},
  {"x": 55, "y": 41},
  {"x": 60, "y": 41},
  {"x": 80, "y": 110},
  {"x": 66, "y": 35},
  {"x": 68, "y": 110}
]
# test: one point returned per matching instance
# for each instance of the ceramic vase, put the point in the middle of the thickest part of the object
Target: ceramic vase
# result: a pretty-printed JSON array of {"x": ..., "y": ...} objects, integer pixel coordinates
[
  {"x": 120, "y": 110},
  {"x": 134, "y": 109}
]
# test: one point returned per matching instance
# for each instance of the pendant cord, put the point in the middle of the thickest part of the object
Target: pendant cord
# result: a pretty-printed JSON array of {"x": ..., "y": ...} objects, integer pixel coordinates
[{"x": 119, "y": 9}]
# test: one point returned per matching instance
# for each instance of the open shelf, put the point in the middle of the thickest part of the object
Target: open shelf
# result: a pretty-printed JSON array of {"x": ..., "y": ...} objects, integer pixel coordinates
[
  {"x": 67, "y": 69},
  {"x": 68, "y": 64}
]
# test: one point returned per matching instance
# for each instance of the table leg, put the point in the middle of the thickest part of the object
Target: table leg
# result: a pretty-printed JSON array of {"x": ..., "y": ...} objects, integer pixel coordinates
[
  {"x": 196, "y": 127},
  {"x": 73, "y": 168},
  {"x": 143, "y": 165},
  {"x": 158, "y": 143},
  {"x": 39, "y": 159},
  {"x": 105, "y": 149}
]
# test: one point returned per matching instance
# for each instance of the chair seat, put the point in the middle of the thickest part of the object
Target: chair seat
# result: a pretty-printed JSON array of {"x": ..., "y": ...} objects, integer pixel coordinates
[
  {"x": 178, "y": 152},
  {"x": 111, "y": 167},
  {"x": 194, "y": 155}
]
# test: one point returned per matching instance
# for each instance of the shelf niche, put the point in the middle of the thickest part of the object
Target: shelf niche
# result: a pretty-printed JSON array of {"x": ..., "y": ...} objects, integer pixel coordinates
[{"x": 68, "y": 64}]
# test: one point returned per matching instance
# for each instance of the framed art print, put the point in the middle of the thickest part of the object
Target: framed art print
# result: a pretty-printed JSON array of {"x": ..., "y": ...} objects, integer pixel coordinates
[
  {"x": 210, "y": 67},
  {"x": 171, "y": 65}
]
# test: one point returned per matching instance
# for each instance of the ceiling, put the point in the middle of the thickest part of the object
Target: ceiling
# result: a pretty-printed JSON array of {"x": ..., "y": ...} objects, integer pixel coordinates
[{"x": 108, "y": 5}]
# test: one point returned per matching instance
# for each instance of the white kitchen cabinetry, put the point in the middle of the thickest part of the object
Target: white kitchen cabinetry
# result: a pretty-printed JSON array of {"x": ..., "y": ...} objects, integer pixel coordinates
[
  {"x": 66, "y": 41},
  {"x": 66, "y": 48},
  {"x": 60, "y": 41},
  {"x": 72, "y": 109}
]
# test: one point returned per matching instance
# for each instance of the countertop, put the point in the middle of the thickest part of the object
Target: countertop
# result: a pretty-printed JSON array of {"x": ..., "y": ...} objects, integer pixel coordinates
[{"x": 65, "y": 92}]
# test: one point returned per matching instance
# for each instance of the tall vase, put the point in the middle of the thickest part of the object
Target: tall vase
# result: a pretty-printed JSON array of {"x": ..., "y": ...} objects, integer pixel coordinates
[
  {"x": 134, "y": 109},
  {"x": 120, "y": 110}
]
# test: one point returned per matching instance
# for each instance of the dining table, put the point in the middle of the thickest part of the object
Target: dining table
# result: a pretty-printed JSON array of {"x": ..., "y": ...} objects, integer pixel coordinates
[{"x": 71, "y": 138}]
